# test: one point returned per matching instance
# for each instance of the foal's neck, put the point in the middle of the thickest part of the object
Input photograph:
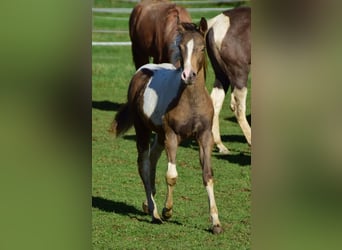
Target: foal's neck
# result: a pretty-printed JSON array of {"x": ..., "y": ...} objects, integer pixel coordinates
[{"x": 194, "y": 93}]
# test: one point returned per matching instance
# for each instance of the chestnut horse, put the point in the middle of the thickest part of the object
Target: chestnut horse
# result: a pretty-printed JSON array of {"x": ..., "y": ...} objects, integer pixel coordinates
[
  {"x": 229, "y": 50},
  {"x": 175, "y": 104},
  {"x": 152, "y": 29}
]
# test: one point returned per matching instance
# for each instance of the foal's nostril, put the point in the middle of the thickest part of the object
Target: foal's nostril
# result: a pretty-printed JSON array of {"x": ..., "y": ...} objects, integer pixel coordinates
[{"x": 193, "y": 74}]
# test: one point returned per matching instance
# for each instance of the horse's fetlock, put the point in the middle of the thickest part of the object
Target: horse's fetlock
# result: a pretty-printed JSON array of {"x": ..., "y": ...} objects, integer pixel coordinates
[
  {"x": 167, "y": 213},
  {"x": 171, "y": 181}
]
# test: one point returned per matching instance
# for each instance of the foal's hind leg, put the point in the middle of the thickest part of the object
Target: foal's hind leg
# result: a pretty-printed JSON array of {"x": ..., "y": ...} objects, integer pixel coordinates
[
  {"x": 205, "y": 141},
  {"x": 144, "y": 166},
  {"x": 171, "y": 144},
  {"x": 217, "y": 96},
  {"x": 238, "y": 106},
  {"x": 156, "y": 150}
]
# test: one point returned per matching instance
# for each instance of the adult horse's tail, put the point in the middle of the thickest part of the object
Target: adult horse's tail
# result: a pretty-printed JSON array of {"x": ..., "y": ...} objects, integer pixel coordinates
[{"x": 123, "y": 120}]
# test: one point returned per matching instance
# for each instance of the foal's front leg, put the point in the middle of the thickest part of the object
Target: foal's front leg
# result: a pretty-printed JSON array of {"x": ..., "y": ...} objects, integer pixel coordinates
[
  {"x": 205, "y": 142},
  {"x": 171, "y": 144}
]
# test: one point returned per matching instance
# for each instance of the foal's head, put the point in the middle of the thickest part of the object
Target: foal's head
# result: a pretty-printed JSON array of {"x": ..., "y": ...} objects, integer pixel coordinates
[{"x": 191, "y": 49}]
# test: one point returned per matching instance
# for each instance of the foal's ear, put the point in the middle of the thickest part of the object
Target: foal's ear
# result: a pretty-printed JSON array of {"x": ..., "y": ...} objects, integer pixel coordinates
[
  {"x": 181, "y": 28},
  {"x": 203, "y": 26}
]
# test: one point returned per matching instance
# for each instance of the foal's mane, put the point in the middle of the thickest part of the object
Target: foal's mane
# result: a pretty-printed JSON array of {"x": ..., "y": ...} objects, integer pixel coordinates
[{"x": 176, "y": 55}]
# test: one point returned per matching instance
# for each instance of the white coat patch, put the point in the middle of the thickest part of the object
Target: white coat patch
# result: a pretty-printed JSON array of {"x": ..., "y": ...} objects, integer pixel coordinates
[
  {"x": 160, "y": 90},
  {"x": 220, "y": 25}
]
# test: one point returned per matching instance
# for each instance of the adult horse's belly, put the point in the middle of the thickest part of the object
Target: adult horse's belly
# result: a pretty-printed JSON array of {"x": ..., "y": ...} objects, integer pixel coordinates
[{"x": 161, "y": 89}]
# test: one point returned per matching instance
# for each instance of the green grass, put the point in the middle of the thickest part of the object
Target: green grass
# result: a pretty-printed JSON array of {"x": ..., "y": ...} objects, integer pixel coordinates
[{"x": 118, "y": 221}]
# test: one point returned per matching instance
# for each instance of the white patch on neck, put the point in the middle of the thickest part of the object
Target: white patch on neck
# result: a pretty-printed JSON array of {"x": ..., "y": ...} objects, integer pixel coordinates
[
  {"x": 220, "y": 25},
  {"x": 190, "y": 48},
  {"x": 161, "y": 89}
]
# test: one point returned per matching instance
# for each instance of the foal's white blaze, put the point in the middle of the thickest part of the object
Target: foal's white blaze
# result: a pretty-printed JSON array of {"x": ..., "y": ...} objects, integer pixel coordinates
[
  {"x": 220, "y": 25},
  {"x": 161, "y": 89},
  {"x": 187, "y": 63}
]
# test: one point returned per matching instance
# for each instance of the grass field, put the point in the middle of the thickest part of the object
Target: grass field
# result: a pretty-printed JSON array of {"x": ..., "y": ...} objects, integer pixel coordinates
[{"x": 117, "y": 191}]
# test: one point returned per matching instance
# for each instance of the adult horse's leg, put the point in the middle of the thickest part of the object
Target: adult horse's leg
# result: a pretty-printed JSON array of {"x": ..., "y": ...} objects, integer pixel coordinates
[
  {"x": 144, "y": 165},
  {"x": 217, "y": 96},
  {"x": 140, "y": 56},
  {"x": 205, "y": 141},
  {"x": 238, "y": 106},
  {"x": 171, "y": 144}
]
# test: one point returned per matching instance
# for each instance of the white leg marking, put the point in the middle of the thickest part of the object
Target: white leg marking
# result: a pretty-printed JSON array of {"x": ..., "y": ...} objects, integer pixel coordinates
[
  {"x": 212, "y": 203},
  {"x": 171, "y": 171},
  {"x": 152, "y": 206},
  {"x": 238, "y": 100},
  {"x": 217, "y": 96}
]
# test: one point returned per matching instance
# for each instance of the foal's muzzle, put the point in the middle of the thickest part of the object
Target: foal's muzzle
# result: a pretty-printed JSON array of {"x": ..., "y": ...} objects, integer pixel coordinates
[{"x": 188, "y": 76}]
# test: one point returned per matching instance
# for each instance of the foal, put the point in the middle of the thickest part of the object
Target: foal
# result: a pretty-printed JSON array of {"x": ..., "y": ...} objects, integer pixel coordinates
[{"x": 176, "y": 105}]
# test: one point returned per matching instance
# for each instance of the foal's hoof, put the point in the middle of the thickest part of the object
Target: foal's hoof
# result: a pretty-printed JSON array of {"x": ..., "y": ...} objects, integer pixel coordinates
[
  {"x": 217, "y": 229},
  {"x": 156, "y": 221},
  {"x": 145, "y": 208},
  {"x": 167, "y": 213}
]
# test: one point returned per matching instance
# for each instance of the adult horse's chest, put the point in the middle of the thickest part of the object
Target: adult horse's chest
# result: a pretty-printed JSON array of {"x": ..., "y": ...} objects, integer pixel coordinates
[{"x": 161, "y": 90}]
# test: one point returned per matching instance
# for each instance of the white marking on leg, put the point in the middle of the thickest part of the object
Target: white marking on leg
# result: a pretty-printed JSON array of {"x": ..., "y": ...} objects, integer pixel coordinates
[
  {"x": 217, "y": 96},
  {"x": 212, "y": 203},
  {"x": 240, "y": 96},
  {"x": 152, "y": 206},
  {"x": 171, "y": 171}
]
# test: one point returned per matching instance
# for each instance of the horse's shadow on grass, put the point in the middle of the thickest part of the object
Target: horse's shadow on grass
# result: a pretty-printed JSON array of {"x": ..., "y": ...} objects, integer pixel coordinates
[
  {"x": 241, "y": 159},
  {"x": 114, "y": 206},
  {"x": 106, "y": 105},
  {"x": 122, "y": 208}
]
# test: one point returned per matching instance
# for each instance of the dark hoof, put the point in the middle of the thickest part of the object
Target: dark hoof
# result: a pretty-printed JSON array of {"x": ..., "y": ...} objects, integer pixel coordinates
[
  {"x": 217, "y": 229},
  {"x": 156, "y": 221},
  {"x": 167, "y": 213}
]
